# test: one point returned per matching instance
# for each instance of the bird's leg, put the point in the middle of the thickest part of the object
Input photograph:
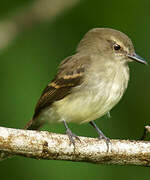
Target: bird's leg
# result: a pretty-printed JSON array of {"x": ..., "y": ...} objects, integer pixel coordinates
[
  {"x": 101, "y": 135},
  {"x": 70, "y": 134}
]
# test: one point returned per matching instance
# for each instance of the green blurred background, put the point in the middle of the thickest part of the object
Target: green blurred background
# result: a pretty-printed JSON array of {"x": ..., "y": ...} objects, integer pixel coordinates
[{"x": 28, "y": 61}]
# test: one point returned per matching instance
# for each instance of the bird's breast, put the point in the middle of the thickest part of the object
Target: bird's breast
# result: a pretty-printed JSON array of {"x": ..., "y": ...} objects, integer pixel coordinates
[
  {"x": 105, "y": 90},
  {"x": 97, "y": 95}
]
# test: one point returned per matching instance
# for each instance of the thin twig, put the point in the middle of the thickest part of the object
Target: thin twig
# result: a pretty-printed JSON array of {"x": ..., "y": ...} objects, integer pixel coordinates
[{"x": 45, "y": 145}]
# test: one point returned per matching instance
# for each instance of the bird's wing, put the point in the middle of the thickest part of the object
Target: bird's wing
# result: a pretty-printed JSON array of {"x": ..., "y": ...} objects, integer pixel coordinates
[{"x": 70, "y": 74}]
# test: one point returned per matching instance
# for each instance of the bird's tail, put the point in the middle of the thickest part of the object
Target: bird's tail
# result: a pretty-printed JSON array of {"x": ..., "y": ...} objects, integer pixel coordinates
[{"x": 33, "y": 124}]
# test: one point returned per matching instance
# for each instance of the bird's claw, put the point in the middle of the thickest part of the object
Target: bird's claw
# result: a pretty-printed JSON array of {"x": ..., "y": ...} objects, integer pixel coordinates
[
  {"x": 72, "y": 136},
  {"x": 107, "y": 140}
]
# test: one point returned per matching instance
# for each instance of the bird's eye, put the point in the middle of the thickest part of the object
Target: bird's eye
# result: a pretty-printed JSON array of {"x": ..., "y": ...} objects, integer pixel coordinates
[{"x": 117, "y": 47}]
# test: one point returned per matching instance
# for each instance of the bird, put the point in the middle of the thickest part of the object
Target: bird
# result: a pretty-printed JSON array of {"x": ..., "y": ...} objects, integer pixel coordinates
[{"x": 89, "y": 83}]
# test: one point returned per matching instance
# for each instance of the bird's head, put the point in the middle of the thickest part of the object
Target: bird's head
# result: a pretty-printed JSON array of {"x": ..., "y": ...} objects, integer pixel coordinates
[{"x": 110, "y": 42}]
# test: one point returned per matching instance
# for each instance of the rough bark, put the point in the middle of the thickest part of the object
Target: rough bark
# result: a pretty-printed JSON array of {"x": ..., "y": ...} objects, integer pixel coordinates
[{"x": 45, "y": 145}]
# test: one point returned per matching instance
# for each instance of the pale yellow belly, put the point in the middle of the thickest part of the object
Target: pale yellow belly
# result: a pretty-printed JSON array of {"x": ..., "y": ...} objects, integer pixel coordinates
[
  {"x": 83, "y": 106},
  {"x": 86, "y": 106},
  {"x": 88, "y": 103}
]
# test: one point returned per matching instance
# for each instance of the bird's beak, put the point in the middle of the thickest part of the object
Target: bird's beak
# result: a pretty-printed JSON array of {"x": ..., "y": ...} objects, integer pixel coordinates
[{"x": 137, "y": 58}]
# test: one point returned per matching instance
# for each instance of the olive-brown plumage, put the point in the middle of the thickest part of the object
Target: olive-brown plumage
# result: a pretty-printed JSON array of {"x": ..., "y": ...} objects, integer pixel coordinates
[{"x": 89, "y": 83}]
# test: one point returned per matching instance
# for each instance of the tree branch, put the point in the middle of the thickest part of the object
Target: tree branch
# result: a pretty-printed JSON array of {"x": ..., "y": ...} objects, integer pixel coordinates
[{"x": 45, "y": 145}]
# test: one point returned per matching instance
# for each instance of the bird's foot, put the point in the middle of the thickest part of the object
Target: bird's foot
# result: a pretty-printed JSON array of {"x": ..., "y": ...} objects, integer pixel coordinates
[
  {"x": 101, "y": 135},
  {"x": 107, "y": 140},
  {"x": 72, "y": 137}
]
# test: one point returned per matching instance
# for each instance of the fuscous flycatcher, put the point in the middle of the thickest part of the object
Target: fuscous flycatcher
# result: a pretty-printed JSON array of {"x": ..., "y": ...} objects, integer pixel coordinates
[{"x": 89, "y": 83}]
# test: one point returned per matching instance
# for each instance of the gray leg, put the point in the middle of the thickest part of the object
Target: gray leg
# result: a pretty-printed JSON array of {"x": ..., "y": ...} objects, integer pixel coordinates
[
  {"x": 100, "y": 133},
  {"x": 70, "y": 134}
]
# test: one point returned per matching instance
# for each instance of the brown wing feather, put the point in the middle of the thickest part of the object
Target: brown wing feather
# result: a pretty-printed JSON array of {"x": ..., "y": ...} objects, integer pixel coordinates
[{"x": 69, "y": 75}]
